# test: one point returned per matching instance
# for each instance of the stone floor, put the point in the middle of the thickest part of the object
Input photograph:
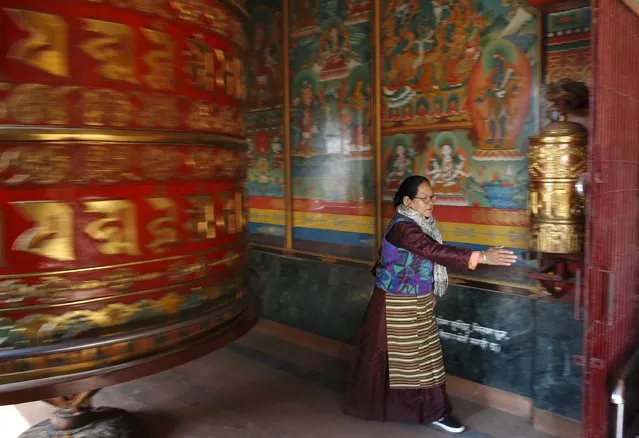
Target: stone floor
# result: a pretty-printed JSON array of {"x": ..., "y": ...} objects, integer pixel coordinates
[{"x": 263, "y": 387}]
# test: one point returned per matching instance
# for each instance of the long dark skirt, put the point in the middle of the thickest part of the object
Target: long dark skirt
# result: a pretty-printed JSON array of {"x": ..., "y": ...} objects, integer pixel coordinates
[{"x": 369, "y": 396}]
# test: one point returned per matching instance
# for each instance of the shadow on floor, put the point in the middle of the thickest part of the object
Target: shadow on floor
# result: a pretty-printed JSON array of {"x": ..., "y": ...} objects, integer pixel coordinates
[{"x": 155, "y": 424}]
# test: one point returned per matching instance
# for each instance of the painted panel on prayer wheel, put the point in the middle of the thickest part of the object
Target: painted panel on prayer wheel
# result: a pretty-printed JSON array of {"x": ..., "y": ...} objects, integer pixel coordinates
[
  {"x": 557, "y": 210},
  {"x": 122, "y": 164}
]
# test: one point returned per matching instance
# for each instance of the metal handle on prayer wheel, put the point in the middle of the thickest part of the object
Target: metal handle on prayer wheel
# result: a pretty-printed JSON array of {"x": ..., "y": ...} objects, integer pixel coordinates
[{"x": 581, "y": 184}]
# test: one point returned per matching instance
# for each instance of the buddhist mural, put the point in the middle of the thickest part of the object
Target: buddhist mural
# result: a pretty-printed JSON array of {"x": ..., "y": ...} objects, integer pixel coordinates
[
  {"x": 265, "y": 124},
  {"x": 459, "y": 100},
  {"x": 332, "y": 156},
  {"x": 264, "y": 58}
]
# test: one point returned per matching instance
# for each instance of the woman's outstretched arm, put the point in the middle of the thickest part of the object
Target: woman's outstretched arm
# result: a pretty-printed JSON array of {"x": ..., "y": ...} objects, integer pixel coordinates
[{"x": 410, "y": 237}]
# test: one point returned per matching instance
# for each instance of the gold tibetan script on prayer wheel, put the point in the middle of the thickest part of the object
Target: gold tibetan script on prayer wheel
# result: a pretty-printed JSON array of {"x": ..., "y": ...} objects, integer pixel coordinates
[
  {"x": 122, "y": 161},
  {"x": 123, "y": 239}
]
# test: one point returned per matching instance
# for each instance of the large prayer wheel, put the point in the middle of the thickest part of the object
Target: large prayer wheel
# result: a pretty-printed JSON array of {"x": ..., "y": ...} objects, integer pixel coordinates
[
  {"x": 557, "y": 161},
  {"x": 122, "y": 220}
]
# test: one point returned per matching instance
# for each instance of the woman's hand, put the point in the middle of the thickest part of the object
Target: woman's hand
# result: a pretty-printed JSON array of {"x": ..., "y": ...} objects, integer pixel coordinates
[{"x": 498, "y": 256}]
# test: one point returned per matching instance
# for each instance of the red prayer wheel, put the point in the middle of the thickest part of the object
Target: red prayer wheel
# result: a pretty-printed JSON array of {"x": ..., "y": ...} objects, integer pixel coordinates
[{"x": 122, "y": 218}]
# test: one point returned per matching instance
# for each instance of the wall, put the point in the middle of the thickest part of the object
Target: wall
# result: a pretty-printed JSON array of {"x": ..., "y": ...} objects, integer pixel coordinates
[
  {"x": 460, "y": 99},
  {"x": 460, "y": 95},
  {"x": 329, "y": 113},
  {"x": 332, "y": 157},
  {"x": 518, "y": 343},
  {"x": 265, "y": 123},
  {"x": 442, "y": 121},
  {"x": 441, "y": 116}
]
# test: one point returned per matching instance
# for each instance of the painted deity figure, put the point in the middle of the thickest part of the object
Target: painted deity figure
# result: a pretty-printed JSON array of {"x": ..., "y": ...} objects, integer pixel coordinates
[
  {"x": 359, "y": 117},
  {"x": 277, "y": 175},
  {"x": 423, "y": 107},
  {"x": 261, "y": 138},
  {"x": 263, "y": 171},
  {"x": 453, "y": 104},
  {"x": 250, "y": 149},
  {"x": 276, "y": 145},
  {"x": 461, "y": 48},
  {"x": 307, "y": 123},
  {"x": 438, "y": 104},
  {"x": 502, "y": 83},
  {"x": 334, "y": 55},
  {"x": 408, "y": 46},
  {"x": 262, "y": 64},
  {"x": 447, "y": 167},
  {"x": 305, "y": 10},
  {"x": 400, "y": 168},
  {"x": 429, "y": 46}
]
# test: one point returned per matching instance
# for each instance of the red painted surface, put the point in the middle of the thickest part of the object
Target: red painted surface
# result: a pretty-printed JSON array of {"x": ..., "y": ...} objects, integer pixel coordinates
[
  {"x": 543, "y": 3},
  {"x": 84, "y": 71},
  {"x": 610, "y": 294},
  {"x": 209, "y": 98}
]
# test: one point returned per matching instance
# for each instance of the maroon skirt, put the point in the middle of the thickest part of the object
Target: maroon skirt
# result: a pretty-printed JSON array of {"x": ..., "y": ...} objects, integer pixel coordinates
[{"x": 369, "y": 395}]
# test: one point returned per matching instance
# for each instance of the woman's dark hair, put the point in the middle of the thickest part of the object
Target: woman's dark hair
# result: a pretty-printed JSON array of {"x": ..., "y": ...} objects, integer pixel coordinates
[{"x": 409, "y": 188}]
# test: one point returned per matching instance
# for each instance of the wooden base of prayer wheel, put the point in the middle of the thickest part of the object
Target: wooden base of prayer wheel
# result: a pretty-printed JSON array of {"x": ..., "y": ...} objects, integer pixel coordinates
[{"x": 123, "y": 246}]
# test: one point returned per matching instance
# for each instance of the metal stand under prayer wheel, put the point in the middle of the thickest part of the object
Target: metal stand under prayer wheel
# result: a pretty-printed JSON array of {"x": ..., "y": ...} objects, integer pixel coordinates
[
  {"x": 77, "y": 418},
  {"x": 122, "y": 223},
  {"x": 557, "y": 169}
]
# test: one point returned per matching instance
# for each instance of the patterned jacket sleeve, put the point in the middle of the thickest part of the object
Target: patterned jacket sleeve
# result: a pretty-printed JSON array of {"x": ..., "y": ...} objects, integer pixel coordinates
[{"x": 409, "y": 236}]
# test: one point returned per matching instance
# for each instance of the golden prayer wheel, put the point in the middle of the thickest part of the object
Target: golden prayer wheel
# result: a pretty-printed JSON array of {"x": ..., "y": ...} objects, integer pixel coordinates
[
  {"x": 557, "y": 160},
  {"x": 123, "y": 248}
]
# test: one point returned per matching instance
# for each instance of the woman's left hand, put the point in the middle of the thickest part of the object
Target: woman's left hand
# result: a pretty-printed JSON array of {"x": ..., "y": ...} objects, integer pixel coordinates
[{"x": 498, "y": 256}]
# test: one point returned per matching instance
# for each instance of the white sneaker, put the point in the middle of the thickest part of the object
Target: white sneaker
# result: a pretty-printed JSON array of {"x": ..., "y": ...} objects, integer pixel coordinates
[{"x": 449, "y": 424}]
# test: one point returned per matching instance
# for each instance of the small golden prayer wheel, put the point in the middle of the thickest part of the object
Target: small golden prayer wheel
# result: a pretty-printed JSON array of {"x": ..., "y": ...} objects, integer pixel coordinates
[{"x": 557, "y": 160}]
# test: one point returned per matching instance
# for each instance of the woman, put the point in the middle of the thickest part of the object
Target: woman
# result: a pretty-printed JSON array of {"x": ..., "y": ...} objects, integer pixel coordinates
[{"x": 399, "y": 371}]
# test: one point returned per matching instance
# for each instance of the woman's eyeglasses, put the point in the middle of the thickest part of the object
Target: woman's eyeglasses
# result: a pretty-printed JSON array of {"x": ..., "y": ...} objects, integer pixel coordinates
[{"x": 431, "y": 198}]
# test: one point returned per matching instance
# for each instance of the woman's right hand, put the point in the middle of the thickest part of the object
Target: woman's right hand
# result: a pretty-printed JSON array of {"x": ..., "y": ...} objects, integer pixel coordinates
[{"x": 498, "y": 256}]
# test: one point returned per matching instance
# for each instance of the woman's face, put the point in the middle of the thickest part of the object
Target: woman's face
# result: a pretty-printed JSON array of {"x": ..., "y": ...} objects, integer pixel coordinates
[{"x": 423, "y": 202}]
